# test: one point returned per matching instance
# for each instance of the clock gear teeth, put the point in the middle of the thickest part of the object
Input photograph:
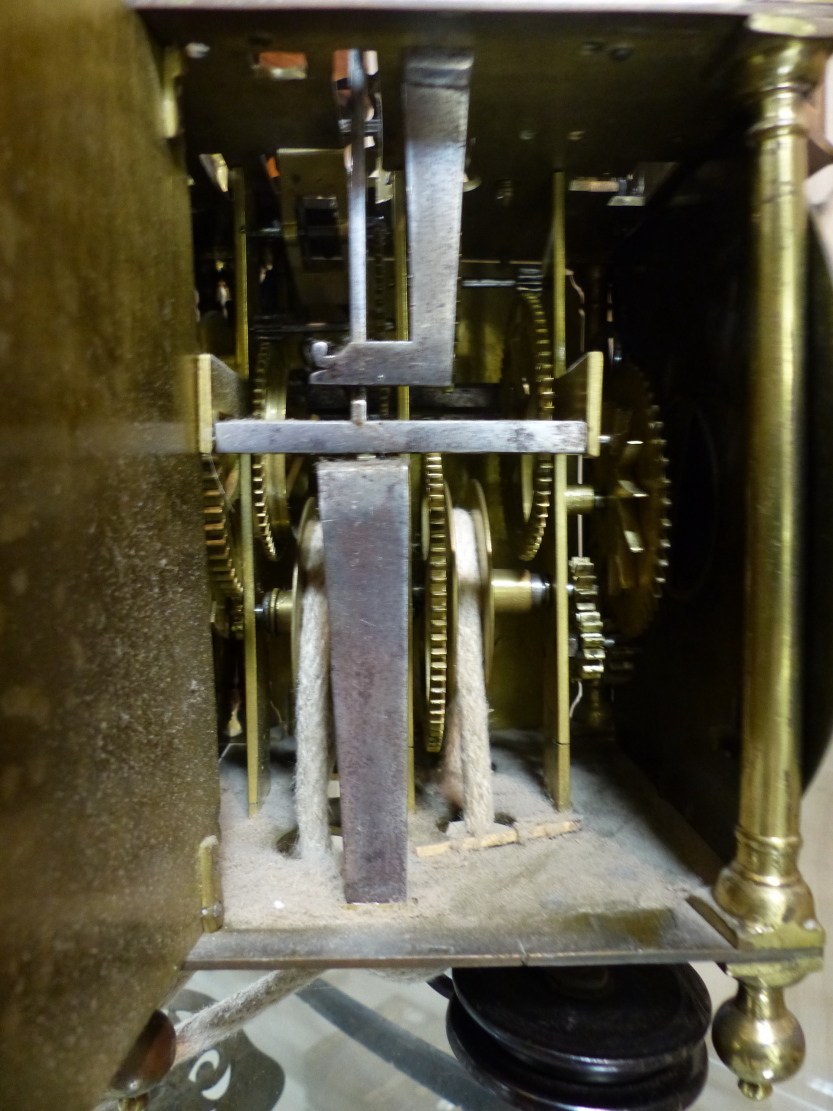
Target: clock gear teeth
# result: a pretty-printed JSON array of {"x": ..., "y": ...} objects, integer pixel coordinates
[
  {"x": 631, "y": 533},
  {"x": 220, "y": 544},
  {"x": 270, "y": 507},
  {"x": 589, "y": 660},
  {"x": 260, "y": 509},
  {"x": 436, "y": 600},
  {"x": 528, "y": 386}
]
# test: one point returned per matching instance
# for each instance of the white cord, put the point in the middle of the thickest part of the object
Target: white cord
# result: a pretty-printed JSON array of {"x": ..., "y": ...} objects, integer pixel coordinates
[{"x": 313, "y": 706}]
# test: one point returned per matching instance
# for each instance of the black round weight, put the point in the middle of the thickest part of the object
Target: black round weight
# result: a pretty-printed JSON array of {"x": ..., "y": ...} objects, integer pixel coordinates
[{"x": 624, "y": 1038}]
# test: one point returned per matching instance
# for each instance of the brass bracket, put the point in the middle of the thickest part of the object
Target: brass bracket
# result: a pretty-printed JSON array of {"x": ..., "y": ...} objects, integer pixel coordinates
[
  {"x": 578, "y": 396},
  {"x": 808, "y": 935},
  {"x": 220, "y": 394},
  {"x": 211, "y": 891}
]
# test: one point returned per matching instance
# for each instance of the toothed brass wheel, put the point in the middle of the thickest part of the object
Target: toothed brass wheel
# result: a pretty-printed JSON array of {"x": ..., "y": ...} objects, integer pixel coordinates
[
  {"x": 630, "y": 530},
  {"x": 270, "y": 485},
  {"x": 437, "y": 551},
  {"x": 527, "y": 394},
  {"x": 588, "y": 663},
  {"x": 221, "y": 494}
]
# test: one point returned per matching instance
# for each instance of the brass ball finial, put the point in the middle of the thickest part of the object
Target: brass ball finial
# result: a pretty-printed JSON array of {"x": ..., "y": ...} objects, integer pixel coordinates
[{"x": 758, "y": 1038}]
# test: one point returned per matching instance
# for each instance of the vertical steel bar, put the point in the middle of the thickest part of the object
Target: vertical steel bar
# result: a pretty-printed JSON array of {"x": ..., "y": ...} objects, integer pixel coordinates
[{"x": 365, "y": 513}]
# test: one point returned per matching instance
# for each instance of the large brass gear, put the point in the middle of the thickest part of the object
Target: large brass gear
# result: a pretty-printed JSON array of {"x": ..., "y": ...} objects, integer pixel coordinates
[
  {"x": 527, "y": 394},
  {"x": 588, "y": 662},
  {"x": 630, "y": 530},
  {"x": 220, "y": 495},
  {"x": 437, "y": 550},
  {"x": 270, "y": 488}
]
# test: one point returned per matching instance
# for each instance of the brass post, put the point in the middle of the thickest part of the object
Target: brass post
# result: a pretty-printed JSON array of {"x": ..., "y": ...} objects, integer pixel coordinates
[
  {"x": 762, "y": 891},
  {"x": 400, "y": 280},
  {"x": 239, "y": 201},
  {"x": 763, "y": 886},
  {"x": 257, "y": 734},
  {"x": 557, "y": 750}
]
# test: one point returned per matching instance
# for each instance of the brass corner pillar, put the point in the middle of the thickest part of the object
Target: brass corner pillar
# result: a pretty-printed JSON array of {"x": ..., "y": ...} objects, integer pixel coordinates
[{"x": 762, "y": 891}]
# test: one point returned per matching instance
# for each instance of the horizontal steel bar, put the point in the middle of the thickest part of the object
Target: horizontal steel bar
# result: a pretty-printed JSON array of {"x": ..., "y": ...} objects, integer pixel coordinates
[{"x": 394, "y": 437}]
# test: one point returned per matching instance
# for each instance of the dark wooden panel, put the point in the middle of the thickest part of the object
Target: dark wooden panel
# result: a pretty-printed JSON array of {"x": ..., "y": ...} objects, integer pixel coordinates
[{"x": 107, "y": 750}]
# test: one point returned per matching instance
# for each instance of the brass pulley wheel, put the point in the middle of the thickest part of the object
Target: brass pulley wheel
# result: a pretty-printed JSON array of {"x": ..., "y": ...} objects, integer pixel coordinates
[
  {"x": 438, "y": 556},
  {"x": 527, "y": 394},
  {"x": 629, "y": 531}
]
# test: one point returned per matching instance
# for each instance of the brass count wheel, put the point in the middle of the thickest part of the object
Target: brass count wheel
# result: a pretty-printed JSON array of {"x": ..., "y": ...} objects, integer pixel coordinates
[
  {"x": 438, "y": 554},
  {"x": 270, "y": 488},
  {"x": 527, "y": 393},
  {"x": 630, "y": 530}
]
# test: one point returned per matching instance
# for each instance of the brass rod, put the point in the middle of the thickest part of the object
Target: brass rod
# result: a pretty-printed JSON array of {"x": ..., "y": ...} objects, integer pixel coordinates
[
  {"x": 400, "y": 279},
  {"x": 559, "y": 270},
  {"x": 557, "y": 751},
  {"x": 763, "y": 886},
  {"x": 237, "y": 183},
  {"x": 257, "y": 737}
]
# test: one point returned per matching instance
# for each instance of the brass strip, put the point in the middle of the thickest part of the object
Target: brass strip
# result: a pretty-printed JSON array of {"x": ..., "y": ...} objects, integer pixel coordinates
[
  {"x": 559, "y": 268},
  {"x": 257, "y": 736},
  {"x": 557, "y": 752},
  {"x": 237, "y": 185},
  {"x": 211, "y": 890},
  {"x": 400, "y": 279}
]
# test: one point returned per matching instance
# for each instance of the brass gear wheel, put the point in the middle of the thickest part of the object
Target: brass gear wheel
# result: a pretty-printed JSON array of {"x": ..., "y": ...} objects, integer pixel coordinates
[
  {"x": 588, "y": 663},
  {"x": 630, "y": 531},
  {"x": 437, "y": 550},
  {"x": 220, "y": 493},
  {"x": 527, "y": 393},
  {"x": 270, "y": 494}
]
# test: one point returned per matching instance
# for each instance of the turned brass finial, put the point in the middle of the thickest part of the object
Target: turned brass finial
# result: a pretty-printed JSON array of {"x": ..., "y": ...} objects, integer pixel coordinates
[{"x": 758, "y": 1038}]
